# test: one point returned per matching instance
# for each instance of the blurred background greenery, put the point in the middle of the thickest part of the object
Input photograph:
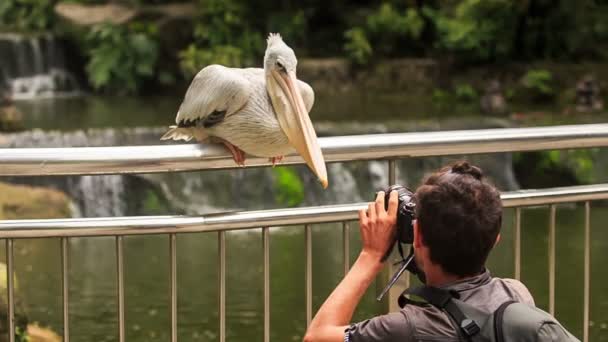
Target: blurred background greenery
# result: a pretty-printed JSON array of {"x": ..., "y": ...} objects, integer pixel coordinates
[
  {"x": 113, "y": 73},
  {"x": 146, "y": 51}
]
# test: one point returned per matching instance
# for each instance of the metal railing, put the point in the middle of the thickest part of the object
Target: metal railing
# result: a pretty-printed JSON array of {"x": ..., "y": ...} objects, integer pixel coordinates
[{"x": 142, "y": 159}]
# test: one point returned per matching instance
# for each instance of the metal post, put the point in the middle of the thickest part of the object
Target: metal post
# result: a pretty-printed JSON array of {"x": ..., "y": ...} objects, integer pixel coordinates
[
  {"x": 346, "y": 246},
  {"x": 266, "y": 248},
  {"x": 404, "y": 282},
  {"x": 552, "y": 261},
  {"x": 65, "y": 288},
  {"x": 517, "y": 243},
  {"x": 308, "y": 252},
  {"x": 587, "y": 276},
  {"x": 120, "y": 286},
  {"x": 221, "y": 235},
  {"x": 173, "y": 275},
  {"x": 11, "y": 294}
]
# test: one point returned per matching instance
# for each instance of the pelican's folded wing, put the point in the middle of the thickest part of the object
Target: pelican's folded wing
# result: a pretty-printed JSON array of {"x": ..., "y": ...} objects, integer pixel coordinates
[{"x": 214, "y": 89}]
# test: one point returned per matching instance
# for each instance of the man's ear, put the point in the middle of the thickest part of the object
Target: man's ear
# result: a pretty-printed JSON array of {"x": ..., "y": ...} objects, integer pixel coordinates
[
  {"x": 497, "y": 240},
  {"x": 417, "y": 235}
]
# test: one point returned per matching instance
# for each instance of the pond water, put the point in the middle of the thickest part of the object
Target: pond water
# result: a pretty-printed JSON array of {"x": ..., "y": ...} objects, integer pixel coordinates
[
  {"x": 93, "y": 281},
  {"x": 92, "y": 270}
]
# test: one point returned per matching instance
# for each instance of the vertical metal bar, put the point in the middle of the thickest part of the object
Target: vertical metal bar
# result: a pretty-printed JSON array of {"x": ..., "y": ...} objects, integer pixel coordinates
[
  {"x": 517, "y": 243},
  {"x": 10, "y": 285},
  {"x": 404, "y": 281},
  {"x": 221, "y": 241},
  {"x": 346, "y": 246},
  {"x": 266, "y": 248},
  {"x": 65, "y": 287},
  {"x": 308, "y": 252},
  {"x": 120, "y": 287},
  {"x": 173, "y": 275},
  {"x": 587, "y": 265},
  {"x": 552, "y": 261},
  {"x": 392, "y": 172}
]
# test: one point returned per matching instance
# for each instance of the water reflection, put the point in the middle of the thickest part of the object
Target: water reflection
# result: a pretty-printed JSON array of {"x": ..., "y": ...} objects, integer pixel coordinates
[{"x": 93, "y": 279}]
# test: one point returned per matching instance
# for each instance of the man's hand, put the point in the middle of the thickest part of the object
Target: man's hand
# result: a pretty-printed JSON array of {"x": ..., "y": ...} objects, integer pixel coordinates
[
  {"x": 378, "y": 226},
  {"x": 377, "y": 233}
]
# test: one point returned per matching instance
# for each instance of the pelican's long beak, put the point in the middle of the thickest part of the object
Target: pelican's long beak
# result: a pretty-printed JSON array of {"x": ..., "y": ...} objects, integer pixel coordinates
[{"x": 296, "y": 124}]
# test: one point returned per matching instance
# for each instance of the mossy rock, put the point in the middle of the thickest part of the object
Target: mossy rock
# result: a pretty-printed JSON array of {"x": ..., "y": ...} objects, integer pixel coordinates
[{"x": 27, "y": 202}]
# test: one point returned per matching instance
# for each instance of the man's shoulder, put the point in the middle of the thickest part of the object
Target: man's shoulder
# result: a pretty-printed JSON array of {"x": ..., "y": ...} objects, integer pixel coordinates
[{"x": 514, "y": 289}]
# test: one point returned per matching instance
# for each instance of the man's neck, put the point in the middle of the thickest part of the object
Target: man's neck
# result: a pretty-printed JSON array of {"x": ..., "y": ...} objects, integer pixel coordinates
[{"x": 436, "y": 277}]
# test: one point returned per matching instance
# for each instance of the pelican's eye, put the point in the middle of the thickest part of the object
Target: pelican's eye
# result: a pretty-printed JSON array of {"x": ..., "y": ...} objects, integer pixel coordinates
[{"x": 281, "y": 66}]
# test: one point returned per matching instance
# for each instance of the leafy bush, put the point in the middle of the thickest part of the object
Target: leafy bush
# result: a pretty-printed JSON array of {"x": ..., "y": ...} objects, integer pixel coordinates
[
  {"x": 538, "y": 83},
  {"x": 289, "y": 187},
  {"x": 222, "y": 35},
  {"x": 479, "y": 30},
  {"x": 122, "y": 58},
  {"x": 384, "y": 32},
  {"x": 357, "y": 47},
  {"x": 465, "y": 93},
  {"x": 26, "y": 15}
]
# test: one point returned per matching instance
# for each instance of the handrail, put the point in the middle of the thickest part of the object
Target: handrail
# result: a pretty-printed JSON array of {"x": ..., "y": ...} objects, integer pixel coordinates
[
  {"x": 190, "y": 157},
  {"x": 137, "y": 225}
]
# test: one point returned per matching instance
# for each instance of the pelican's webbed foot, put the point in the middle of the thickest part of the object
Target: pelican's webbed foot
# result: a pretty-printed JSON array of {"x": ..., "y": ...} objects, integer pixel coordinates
[
  {"x": 275, "y": 160},
  {"x": 237, "y": 154}
]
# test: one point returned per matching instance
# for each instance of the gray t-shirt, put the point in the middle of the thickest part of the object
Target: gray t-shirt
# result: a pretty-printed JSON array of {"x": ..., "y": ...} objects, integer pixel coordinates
[{"x": 424, "y": 322}]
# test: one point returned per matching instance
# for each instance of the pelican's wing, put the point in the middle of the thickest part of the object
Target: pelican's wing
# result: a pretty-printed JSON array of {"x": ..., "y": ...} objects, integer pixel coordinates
[
  {"x": 308, "y": 95},
  {"x": 215, "y": 90}
]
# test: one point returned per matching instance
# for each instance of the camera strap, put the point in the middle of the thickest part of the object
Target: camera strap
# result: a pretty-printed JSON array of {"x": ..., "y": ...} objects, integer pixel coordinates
[{"x": 404, "y": 262}]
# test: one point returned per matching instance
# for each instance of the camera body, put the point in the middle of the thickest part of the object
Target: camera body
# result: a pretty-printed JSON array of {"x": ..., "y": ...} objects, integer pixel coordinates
[{"x": 405, "y": 212}]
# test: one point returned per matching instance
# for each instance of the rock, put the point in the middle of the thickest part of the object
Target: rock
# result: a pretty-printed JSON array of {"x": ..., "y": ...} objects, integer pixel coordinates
[
  {"x": 11, "y": 119},
  {"x": 588, "y": 95},
  {"x": 27, "y": 202},
  {"x": 493, "y": 100},
  {"x": 88, "y": 15},
  {"x": 36, "y": 333}
]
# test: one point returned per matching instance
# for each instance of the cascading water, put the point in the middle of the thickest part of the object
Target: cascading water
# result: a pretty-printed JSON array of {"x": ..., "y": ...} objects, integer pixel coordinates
[{"x": 34, "y": 67}]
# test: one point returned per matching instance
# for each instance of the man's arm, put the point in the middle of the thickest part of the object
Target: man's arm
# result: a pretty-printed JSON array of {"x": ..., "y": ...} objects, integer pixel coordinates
[{"x": 377, "y": 234}]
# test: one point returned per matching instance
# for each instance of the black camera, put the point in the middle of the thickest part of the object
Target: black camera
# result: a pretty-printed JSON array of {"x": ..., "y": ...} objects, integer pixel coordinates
[{"x": 405, "y": 212}]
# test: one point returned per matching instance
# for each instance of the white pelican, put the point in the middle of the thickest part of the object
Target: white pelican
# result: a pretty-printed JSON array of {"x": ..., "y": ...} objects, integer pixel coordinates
[{"x": 262, "y": 112}]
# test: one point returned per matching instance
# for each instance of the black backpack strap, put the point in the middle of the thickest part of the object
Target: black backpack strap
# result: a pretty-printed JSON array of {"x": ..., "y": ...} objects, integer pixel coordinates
[
  {"x": 443, "y": 299},
  {"x": 498, "y": 316}
]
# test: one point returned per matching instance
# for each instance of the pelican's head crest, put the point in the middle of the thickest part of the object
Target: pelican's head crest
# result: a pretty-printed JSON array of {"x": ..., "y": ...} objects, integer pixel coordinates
[
  {"x": 273, "y": 38},
  {"x": 278, "y": 55}
]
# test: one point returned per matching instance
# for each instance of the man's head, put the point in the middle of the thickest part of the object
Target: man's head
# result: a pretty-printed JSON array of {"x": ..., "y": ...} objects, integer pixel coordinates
[{"x": 459, "y": 216}]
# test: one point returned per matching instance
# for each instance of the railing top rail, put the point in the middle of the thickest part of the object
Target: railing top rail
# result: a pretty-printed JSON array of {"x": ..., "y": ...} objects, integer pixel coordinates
[
  {"x": 190, "y": 157},
  {"x": 253, "y": 219}
]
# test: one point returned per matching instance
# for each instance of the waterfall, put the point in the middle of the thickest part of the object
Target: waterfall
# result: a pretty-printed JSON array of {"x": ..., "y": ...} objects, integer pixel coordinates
[{"x": 34, "y": 67}]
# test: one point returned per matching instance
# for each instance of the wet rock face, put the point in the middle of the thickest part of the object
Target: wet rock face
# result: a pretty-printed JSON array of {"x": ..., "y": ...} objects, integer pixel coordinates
[
  {"x": 239, "y": 189},
  {"x": 588, "y": 96}
]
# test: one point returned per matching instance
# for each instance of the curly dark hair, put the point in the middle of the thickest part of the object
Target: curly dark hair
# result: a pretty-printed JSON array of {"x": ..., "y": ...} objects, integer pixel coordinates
[{"x": 459, "y": 214}]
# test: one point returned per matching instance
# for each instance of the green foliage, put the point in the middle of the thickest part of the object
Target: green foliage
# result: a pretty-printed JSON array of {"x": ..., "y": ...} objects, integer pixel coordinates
[
  {"x": 121, "y": 58},
  {"x": 539, "y": 84},
  {"x": 193, "y": 58},
  {"x": 357, "y": 47},
  {"x": 21, "y": 335},
  {"x": 555, "y": 167},
  {"x": 26, "y": 15},
  {"x": 465, "y": 93},
  {"x": 476, "y": 29},
  {"x": 222, "y": 35},
  {"x": 289, "y": 187},
  {"x": 384, "y": 30}
]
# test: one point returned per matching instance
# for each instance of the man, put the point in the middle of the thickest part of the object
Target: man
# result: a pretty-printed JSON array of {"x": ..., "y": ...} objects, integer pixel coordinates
[{"x": 459, "y": 216}]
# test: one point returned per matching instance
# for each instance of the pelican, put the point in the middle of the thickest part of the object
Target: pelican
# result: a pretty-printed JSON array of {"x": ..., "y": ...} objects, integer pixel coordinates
[{"x": 262, "y": 112}]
